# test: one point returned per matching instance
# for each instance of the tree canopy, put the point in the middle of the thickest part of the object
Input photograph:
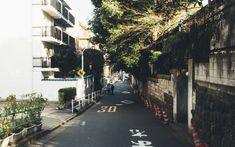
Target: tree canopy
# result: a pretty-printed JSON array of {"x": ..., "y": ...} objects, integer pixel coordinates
[{"x": 128, "y": 27}]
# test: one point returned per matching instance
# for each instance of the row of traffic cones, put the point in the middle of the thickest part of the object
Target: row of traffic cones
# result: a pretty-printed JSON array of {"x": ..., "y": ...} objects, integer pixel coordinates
[
  {"x": 159, "y": 113},
  {"x": 196, "y": 139}
]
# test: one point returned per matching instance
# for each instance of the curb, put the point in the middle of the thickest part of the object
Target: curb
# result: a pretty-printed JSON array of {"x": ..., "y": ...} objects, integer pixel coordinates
[{"x": 47, "y": 131}]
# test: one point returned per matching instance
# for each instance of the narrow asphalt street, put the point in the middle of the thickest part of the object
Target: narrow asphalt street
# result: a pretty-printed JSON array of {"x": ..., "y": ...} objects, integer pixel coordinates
[{"x": 118, "y": 120}]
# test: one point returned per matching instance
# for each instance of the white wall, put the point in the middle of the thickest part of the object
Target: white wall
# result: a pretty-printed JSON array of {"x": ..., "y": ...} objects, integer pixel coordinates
[
  {"x": 220, "y": 70},
  {"x": 49, "y": 89},
  {"x": 15, "y": 47}
]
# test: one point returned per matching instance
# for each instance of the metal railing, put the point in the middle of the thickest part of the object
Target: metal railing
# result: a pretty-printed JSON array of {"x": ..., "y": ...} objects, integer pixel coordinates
[
  {"x": 47, "y": 31},
  {"x": 71, "y": 42},
  {"x": 71, "y": 18},
  {"x": 81, "y": 102},
  {"x": 65, "y": 13},
  {"x": 54, "y": 3},
  {"x": 65, "y": 38},
  {"x": 52, "y": 32},
  {"x": 41, "y": 62}
]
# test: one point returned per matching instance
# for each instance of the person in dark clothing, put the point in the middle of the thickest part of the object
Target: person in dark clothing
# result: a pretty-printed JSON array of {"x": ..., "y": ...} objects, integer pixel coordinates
[{"x": 112, "y": 88}]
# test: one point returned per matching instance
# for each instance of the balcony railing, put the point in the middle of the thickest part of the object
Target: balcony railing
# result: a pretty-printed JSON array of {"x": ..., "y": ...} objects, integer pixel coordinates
[
  {"x": 65, "y": 38},
  {"x": 67, "y": 20},
  {"x": 52, "y": 7},
  {"x": 50, "y": 34},
  {"x": 65, "y": 13},
  {"x": 43, "y": 62},
  {"x": 71, "y": 42},
  {"x": 71, "y": 19}
]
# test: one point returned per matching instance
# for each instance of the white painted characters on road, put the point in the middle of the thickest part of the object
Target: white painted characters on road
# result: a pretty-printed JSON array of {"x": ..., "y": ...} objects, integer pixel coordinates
[
  {"x": 107, "y": 109},
  {"x": 142, "y": 143},
  {"x": 136, "y": 134}
]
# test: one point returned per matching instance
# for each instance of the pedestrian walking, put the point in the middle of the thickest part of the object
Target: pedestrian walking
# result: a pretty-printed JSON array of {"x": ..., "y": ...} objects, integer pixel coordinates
[{"x": 112, "y": 88}]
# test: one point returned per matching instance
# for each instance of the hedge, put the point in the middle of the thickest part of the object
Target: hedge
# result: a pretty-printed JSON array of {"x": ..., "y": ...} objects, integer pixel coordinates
[{"x": 65, "y": 95}]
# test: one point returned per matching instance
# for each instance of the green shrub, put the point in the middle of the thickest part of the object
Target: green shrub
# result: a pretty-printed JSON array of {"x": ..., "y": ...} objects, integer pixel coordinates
[
  {"x": 16, "y": 115},
  {"x": 66, "y": 95}
]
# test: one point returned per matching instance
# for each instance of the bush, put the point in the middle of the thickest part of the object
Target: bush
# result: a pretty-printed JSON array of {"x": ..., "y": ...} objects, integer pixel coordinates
[
  {"x": 16, "y": 115},
  {"x": 66, "y": 95}
]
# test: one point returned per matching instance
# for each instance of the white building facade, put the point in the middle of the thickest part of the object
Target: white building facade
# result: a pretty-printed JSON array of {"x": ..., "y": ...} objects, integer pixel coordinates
[{"x": 33, "y": 31}]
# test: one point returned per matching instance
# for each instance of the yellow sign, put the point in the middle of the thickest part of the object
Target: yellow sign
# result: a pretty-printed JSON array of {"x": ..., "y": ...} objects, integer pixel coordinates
[{"x": 80, "y": 73}]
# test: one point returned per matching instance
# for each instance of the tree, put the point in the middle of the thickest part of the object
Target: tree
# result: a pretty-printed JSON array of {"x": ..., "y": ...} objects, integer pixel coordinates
[
  {"x": 66, "y": 60},
  {"x": 93, "y": 64},
  {"x": 127, "y": 27}
]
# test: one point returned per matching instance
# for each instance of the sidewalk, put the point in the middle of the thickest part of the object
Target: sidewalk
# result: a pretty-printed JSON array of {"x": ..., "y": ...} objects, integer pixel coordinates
[{"x": 52, "y": 118}]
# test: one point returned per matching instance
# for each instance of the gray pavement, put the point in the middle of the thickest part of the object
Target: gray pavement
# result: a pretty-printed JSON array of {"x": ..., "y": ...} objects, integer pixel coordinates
[
  {"x": 53, "y": 118},
  {"x": 102, "y": 126}
]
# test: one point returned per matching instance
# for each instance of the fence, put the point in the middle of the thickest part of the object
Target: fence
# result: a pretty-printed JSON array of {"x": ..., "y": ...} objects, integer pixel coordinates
[{"x": 81, "y": 102}]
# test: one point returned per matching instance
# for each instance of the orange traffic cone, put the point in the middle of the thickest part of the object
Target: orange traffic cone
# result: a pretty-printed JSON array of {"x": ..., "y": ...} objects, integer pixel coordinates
[
  {"x": 145, "y": 103},
  {"x": 156, "y": 111},
  {"x": 150, "y": 105},
  {"x": 159, "y": 114},
  {"x": 154, "y": 108},
  {"x": 165, "y": 118},
  {"x": 196, "y": 139}
]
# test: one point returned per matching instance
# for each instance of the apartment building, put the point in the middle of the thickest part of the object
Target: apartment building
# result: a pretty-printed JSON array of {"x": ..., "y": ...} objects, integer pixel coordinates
[
  {"x": 33, "y": 31},
  {"x": 49, "y": 22}
]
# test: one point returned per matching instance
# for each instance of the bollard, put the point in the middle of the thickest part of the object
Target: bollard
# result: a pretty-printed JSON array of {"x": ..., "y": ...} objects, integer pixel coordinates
[
  {"x": 165, "y": 118},
  {"x": 72, "y": 105}
]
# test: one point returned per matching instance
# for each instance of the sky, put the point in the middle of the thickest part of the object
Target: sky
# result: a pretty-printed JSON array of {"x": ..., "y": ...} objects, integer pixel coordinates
[{"x": 82, "y": 8}]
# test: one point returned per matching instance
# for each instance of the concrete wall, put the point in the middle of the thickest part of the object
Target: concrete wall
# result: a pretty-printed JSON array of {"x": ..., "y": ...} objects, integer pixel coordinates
[
  {"x": 224, "y": 29},
  {"x": 15, "y": 47},
  {"x": 157, "y": 87},
  {"x": 49, "y": 88},
  {"x": 220, "y": 70},
  {"x": 214, "y": 116},
  {"x": 162, "y": 90}
]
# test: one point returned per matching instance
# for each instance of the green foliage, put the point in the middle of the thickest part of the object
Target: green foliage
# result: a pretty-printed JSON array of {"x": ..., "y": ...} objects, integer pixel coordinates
[
  {"x": 66, "y": 95},
  {"x": 155, "y": 55},
  {"x": 126, "y": 27},
  {"x": 96, "y": 59},
  {"x": 66, "y": 60},
  {"x": 19, "y": 114},
  {"x": 112, "y": 8}
]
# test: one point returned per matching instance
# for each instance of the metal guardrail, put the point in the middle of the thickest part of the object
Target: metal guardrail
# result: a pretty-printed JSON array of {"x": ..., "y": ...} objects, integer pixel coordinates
[{"x": 81, "y": 102}]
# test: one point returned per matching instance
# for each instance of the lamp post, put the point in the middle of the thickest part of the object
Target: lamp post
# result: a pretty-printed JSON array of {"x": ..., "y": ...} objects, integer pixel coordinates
[
  {"x": 83, "y": 59},
  {"x": 90, "y": 67}
]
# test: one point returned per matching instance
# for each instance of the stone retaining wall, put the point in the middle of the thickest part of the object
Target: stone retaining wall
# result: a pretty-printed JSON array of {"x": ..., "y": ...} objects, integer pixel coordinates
[
  {"x": 214, "y": 117},
  {"x": 158, "y": 86}
]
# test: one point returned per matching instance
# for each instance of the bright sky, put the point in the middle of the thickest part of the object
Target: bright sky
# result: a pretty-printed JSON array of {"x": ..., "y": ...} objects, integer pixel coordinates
[{"x": 82, "y": 8}]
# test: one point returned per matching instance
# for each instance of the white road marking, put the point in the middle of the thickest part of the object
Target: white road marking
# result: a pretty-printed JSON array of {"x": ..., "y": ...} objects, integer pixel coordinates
[
  {"x": 137, "y": 133},
  {"x": 127, "y": 102},
  {"x": 83, "y": 123},
  {"x": 119, "y": 104},
  {"x": 126, "y": 92}
]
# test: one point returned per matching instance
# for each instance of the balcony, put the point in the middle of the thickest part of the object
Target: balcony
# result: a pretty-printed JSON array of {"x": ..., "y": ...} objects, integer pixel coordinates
[
  {"x": 68, "y": 40},
  {"x": 71, "y": 19},
  {"x": 67, "y": 19},
  {"x": 49, "y": 34},
  {"x": 71, "y": 42},
  {"x": 42, "y": 62},
  {"x": 52, "y": 7},
  {"x": 65, "y": 13},
  {"x": 65, "y": 38}
]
